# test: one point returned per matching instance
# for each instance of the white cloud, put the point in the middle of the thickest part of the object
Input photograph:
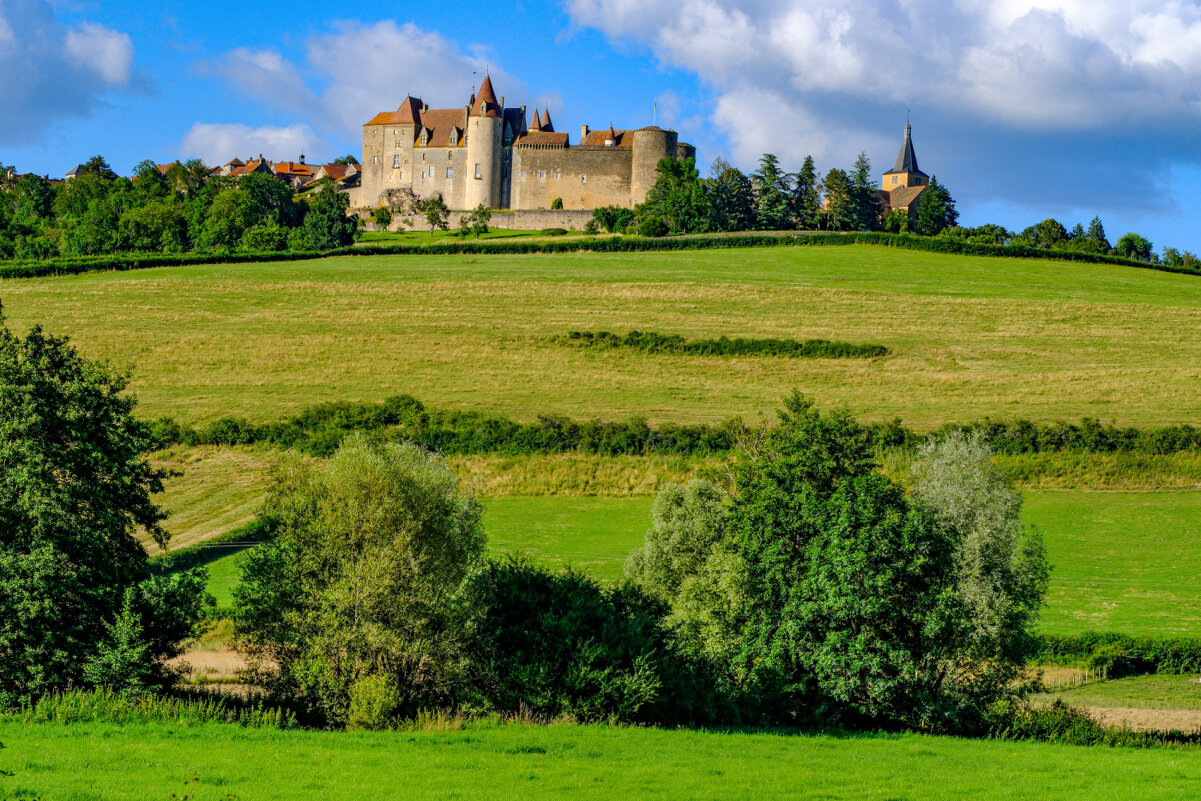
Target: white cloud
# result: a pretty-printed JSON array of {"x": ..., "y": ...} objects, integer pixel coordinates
[
  {"x": 1032, "y": 64},
  {"x": 218, "y": 143},
  {"x": 106, "y": 52},
  {"x": 49, "y": 72},
  {"x": 360, "y": 70}
]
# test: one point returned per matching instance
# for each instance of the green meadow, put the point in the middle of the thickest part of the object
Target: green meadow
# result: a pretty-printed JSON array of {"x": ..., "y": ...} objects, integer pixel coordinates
[
  {"x": 1124, "y": 562},
  {"x": 969, "y": 336},
  {"x": 99, "y": 762}
]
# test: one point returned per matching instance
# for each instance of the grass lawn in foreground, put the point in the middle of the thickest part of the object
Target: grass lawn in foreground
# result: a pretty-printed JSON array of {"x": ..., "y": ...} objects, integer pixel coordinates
[
  {"x": 105, "y": 761},
  {"x": 970, "y": 336}
]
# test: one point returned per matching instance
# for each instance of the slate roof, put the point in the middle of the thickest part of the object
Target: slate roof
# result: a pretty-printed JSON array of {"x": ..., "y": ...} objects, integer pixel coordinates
[
  {"x": 903, "y": 197},
  {"x": 906, "y": 158}
]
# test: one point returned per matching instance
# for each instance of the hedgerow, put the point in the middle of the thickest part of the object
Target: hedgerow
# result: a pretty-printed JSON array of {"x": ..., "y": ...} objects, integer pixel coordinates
[
  {"x": 616, "y": 244},
  {"x": 319, "y": 429},
  {"x": 652, "y": 342},
  {"x": 1122, "y": 655},
  {"x": 1065, "y": 725}
]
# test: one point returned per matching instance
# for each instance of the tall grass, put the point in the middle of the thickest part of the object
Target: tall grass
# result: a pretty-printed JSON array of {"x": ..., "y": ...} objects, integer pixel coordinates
[
  {"x": 193, "y": 708},
  {"x": 652, "y": 342}
]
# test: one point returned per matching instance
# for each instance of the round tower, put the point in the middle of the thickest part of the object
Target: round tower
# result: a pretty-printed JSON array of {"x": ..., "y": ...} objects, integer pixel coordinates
[
  {"x": 650, "y": 146},
  {"x": 484, "y": 147}
]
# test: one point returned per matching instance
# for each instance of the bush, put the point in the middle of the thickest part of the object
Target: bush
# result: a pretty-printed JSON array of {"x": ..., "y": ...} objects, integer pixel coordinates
[
  {"x": 556, "y": 204},
  {"x": 268, "y": 236},
  {"x": 652, "y": 342},
  {"x": 1059, "y": 723},
  {"x": 355, "y": 598},
  {"x": 382, "y": 217},
  {"x": 554, "y": 232},
  {"x": 653, "y": 227},
  {"x": 559, "y": 644}
]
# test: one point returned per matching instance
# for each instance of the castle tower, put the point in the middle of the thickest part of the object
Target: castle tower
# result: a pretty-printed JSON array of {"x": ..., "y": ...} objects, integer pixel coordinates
[
  {"x": 546, "y": 124},
  {"x": 905, "y": 172},
  {"x": 484, "y": 123},
  {"x": 650, "y": 146}
]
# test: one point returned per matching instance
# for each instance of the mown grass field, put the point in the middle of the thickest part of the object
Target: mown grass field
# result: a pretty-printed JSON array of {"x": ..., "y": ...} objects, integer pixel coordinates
[
  {"x": 98, "y": 762},
  {"x": 970, "y": 336}
]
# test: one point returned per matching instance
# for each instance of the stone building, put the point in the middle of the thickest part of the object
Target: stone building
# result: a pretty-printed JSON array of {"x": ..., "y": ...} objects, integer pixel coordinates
[
  {"x": 902, "y": 186},
  {"x": 486, "y": 153}
]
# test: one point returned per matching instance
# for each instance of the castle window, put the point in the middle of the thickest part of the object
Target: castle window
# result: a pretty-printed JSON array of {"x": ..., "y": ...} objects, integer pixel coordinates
[
  {"x": 450, "y": 172},
  {"x": 542, "y": 175},
  {"x": 396, "y": 162},
  {"x": 523, "y": 173},
  {"x": 431, "y": 172},
  {"x": 402, "y": 175},
  {"x": 375, "y": 161},
  {"x": 557, "y": 175},
  {"x": 450, "y": 156},
  {"x": 583, "y": 179},
  {"x": 894, "y": 180},
  {"x": 478, "y": 174}
]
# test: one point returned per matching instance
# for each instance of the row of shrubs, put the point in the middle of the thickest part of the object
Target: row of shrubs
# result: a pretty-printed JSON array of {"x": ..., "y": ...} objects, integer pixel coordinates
[
  {"x": 1122, "y": 655},
  {"x": 319, "y": 429},
  {"x": 1066, "y": 725},
  {"x": 33, "y": 269},
  {"x": 652, "y": 342}
]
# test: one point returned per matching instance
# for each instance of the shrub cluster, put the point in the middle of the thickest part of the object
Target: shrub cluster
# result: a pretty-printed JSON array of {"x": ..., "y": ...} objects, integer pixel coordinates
[
  {"x": 1122, "y": 655},
  {"x": 652, "y": 342},
  {"x": 1067, "y": 725}
]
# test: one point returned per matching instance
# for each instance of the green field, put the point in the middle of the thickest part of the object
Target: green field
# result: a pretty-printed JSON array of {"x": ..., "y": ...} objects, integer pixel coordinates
[
  {"x": 1125, "y": 562},
  {"x": 970, "y": 336},
  {"x": 94, "y": 762},
  {"x": 1138, "y": 692}
]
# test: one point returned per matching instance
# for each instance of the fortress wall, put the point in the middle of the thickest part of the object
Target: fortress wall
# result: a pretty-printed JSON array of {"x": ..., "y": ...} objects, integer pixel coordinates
[
  {"x": 584, "y": 177},
  {"x": 523, "y": 220}
]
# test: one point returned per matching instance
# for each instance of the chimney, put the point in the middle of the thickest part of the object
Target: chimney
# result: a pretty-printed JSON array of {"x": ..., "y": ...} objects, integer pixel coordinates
[
  {"x": 583, "y": 133},
  {"x": 502, "y": 101}
]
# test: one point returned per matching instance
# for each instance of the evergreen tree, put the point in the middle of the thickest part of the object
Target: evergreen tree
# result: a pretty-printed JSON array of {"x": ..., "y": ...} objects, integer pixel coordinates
[
  {"x": 936, "y": 210},
  {"x": 838, "y": 213},
  {"x": 867, "y": 209},
  {"x": 732, "y": 199},
  {"x": 772, "y": 189},
  {"x": 678, "y": 197},
  {"x": 807, "y": 197}
]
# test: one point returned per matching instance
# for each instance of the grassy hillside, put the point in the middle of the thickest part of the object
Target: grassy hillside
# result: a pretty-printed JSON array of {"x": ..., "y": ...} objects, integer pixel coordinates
[
  {"x": 105, "y": 761},
  {"x": 969, "y": 336}
]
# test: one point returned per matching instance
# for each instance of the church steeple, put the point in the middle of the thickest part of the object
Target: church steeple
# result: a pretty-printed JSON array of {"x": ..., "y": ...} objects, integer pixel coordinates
[{"x": 905, "y": 172}]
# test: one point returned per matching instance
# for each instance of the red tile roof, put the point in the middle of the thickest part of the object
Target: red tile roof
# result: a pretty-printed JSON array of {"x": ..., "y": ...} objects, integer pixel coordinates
[
  {"x": 598, "y": 138},
  {"x": 440, "y": 122},
  {"x": 543, "y": 138},
  {"x": 536, "y": 124},
  {"x": 546, "y": 124},
  {"x": 486, "y": 104}
]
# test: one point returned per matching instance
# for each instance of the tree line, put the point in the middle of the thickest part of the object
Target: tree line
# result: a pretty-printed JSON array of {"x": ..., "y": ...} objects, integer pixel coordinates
[
  {"x": 772, "y": 199},
  {"x": 184, "y": 209}
]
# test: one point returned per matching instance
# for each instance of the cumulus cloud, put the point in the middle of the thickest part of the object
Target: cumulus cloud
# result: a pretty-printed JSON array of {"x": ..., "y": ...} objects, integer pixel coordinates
[
  {"x": 49, "y": 71},
  {"x": 106, "y": 52},
  {"x": 358, "y": 70},
  {"x": 1061, "y": 87},
  {"x": 218, "y": 143}
]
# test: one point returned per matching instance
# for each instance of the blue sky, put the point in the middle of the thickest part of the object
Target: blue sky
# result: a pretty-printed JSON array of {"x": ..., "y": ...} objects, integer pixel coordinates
[{"x": 1025, "y": 108}]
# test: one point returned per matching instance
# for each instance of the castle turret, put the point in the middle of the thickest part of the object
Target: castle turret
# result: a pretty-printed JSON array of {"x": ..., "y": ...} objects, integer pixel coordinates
[
  {"x": 484, "y": 124},
  {"x": 547, "y": 125},
  {"x": 650, "y": 145}
]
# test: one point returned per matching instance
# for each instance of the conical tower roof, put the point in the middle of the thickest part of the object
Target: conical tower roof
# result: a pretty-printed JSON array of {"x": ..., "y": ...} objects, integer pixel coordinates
[
  {"x": 486, "y": 104},
  {"x": 546, "y": 123},
  {"x": 906, "y": 158},
  {"x": 536, "y": 125}
]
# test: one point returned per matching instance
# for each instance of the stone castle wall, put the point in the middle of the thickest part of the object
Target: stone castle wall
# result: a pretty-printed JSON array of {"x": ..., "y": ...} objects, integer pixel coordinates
[
  {"x": 518, "y": 220},
  {"x": 582, "y": 177}
]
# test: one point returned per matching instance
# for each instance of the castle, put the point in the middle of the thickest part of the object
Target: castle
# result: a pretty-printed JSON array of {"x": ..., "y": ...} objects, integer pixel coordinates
[{"x": 486, "y": 154}]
